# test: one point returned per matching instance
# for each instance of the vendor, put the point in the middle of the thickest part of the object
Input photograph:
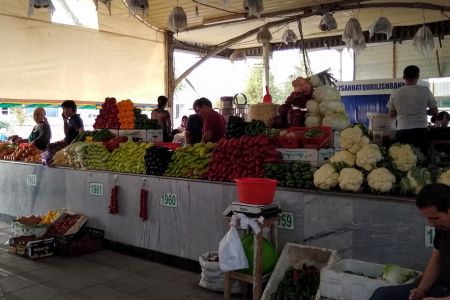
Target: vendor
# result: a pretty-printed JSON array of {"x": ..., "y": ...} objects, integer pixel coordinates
[
  {"x": 213, "y": 122},
  {"x": 41, "y": 133},
  {"x": 163, "y": 117},
  {"x": 409, "y": 105},
  {"x": 73, "y": 124}
]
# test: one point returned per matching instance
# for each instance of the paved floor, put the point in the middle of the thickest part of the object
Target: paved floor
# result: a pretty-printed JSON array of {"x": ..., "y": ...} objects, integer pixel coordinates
[{"x": 102, "y": 275}]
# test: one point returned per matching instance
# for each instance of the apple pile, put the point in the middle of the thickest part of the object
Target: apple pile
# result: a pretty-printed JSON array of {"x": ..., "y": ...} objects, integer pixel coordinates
[
  {"x": 107, "y": 118},
  {"x": 191, "y": 161},
  {"x": 128, "y": 158}
]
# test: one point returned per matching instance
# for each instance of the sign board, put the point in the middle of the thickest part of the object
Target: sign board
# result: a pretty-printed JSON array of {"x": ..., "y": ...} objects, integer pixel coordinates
[
  {"x": 96, "y": 189},
  {"x": 316, "y": 157},
  {"x": 286, "y": 221},
  {"x": 32, "y": 180},
  {"x": 169, "y": 200}
]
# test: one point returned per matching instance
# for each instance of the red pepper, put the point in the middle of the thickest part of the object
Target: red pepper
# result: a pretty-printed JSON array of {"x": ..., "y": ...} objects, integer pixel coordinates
[
  {"x": 143, "y": 213},
  {"x": 114, "y": 200}
]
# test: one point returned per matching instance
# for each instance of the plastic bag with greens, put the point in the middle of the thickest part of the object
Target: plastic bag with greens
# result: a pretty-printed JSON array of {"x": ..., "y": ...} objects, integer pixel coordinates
[
  {"x": 353, "y": 35},
  {"x": 382, "y": 25},
  {"x": 328, "y": 22},
  {"x": 423, "y": 40},
  {"x": 289, "y": 37}
]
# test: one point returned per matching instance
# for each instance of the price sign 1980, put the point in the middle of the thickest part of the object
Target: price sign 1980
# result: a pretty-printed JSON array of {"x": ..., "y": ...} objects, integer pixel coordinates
[
  {"x": 169, "y": 200},
  {"x": 286, "y": 221},
  {"x": 96, "y": 189}
]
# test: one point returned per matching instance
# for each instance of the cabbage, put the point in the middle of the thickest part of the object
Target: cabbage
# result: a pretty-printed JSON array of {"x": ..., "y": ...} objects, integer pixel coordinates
[
  {"x": 396, "y": 274},
  {"x": 312, "y": 106},
  {"x": 313, "y": 120},
  {"x": 331, "y": 107},
  {"x": 336, "y": 120},
  {"x": 326, "y": 93}
]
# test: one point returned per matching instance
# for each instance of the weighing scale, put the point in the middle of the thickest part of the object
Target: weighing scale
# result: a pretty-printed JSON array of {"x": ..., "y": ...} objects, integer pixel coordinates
[{"x": 253, "y": 210}]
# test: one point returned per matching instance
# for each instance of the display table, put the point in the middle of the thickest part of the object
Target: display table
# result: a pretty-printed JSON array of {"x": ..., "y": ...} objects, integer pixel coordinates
[{"x": 184, "y": 216}]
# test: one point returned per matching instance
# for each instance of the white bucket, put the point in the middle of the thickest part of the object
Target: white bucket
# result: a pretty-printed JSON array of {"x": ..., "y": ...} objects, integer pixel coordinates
[{"x": 380, "y": 122}]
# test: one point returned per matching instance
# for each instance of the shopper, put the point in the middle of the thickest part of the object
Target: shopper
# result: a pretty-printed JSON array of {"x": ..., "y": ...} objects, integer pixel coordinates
[
  {"x": 213, "y": 122},
  {"x": 41, "y": 133},
  {"x": 73, "y": 124},
  {"x": 409, "y": 105},
  {"x": 442, "y": 119},
  {"x": 179, "y": 134},
  {"x": 433, "y": 202},
  {"x": 163, "y": 117},
  {"x": 194, "y": 127}
]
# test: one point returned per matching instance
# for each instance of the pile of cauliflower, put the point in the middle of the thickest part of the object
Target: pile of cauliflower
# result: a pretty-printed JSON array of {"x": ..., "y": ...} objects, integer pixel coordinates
[{"x": 362, "y": 162}]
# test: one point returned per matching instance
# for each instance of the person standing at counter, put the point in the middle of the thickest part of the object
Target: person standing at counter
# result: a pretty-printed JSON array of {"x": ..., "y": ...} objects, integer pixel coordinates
[
  {"x": 433, "y": 202},
  {"x": 194, "y": 127},
  {"x": 213, "y": 122},
  {"x": 73, "y": 124},
  {"x": 408, "y": 105},
  {"x": 163, "y": 117},
  {"x": 41, "y": 133}
]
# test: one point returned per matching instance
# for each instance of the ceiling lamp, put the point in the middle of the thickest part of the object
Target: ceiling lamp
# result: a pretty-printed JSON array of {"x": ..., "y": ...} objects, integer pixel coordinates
[
  {"x": 289, "y": 37},
  {"x": 32, "y": 4},
  {"x": 238, "y": 54},
  {"x": 253, "y": 7},
  {"x": 264, "y": 35},
  {"x": 138, "y": 6},
  {"x": 382, "y": 25},
  {"x": 106, "y": 2},
  {"x": 177, "y": 19},
  {"x": 328, "y": 22},
  {"x": 423, "y": 41},
  {"x": 353, "y": 35}
]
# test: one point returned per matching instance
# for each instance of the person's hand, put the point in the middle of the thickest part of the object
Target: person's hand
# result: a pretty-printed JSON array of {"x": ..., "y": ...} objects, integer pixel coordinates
[{"x": 417, "y": 294}]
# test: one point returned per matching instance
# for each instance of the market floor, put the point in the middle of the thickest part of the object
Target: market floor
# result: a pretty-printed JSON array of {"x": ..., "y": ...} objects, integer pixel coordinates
[{"x": 101, "y": 275}]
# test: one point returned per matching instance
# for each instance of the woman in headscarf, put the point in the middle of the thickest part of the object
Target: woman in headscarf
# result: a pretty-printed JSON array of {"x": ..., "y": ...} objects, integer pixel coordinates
[{"x": 41, "y": 134}]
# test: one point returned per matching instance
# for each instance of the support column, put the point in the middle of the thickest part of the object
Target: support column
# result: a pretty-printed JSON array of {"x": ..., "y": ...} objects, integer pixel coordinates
[{"x": 170, "y": 74}]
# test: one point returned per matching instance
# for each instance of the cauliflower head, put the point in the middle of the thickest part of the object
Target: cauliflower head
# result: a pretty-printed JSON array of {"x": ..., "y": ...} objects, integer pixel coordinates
[
  {"x": 353, "y": 139},
  {"x": 381, "y": 180},
  {"x": 444, "y": 177},
  {"x": 350, "y": 179},
  {"x": 414, "y": 180},
  {"x": 368, "y": 156},
  {"x": 403, "y": 157},
  {"x": 326, "y": 177},
  {"x": 345, "y": 157}
]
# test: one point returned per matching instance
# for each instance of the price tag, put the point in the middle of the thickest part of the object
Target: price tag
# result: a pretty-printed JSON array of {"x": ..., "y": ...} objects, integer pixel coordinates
[
  {"x": 31, "y": 180},
  {"x": 96, "y": 189},
  {"x": 169, "y": 200},
  {"x": 429, "y": 236},
  {"x": 286, "y": 221}
]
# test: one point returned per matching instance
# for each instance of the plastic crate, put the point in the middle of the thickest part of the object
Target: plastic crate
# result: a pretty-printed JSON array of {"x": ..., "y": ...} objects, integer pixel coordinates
[
  {"x": 320, "y": 141},
  {"x": 297, "y": 255},
  {"x": 87, "y": 240},
  {"x": 289, "y": 142},
  {"x": 337, "y": 283}
]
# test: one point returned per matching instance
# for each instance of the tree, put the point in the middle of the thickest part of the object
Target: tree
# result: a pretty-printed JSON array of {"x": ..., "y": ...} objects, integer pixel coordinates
[
  {"x": 253, "y": 89},
  {"x": 21, "y": 117}
]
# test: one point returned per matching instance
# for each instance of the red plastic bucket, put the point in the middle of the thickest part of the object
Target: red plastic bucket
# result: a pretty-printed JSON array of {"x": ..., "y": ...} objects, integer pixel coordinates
[{"x": 259, "y": 191}]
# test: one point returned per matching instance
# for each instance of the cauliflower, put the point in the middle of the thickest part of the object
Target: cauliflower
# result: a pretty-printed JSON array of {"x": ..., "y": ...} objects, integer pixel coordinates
[
  {"x": 326, "y": 177},
  {"x": 313, "y": 120},
  {"x": 368, "y": 156},
  {"x": 381, "y": 180},
  {"x": 353, "y": 139},
  {"x": 312, "y": 106},
  {"x": 336, "y": 120},
  {"x": 343, "y": 156},
  {"x": 444, "y": 177},
  {"x": 414, "y": 180},
  {"x": 402, "y": 157},
  {"x": 350, "y": 179}
]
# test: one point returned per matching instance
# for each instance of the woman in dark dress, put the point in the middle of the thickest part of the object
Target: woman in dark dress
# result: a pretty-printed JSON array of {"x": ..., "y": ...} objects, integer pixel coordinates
[{"x": 41, "y": 134}]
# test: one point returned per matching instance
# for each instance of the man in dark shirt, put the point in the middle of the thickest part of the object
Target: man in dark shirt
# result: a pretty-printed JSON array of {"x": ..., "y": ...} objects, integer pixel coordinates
[
  {"x": 194, "y": 128},
  {"x": 434, "y": 204},
  {"x": 73, "y": 125},
  {"x": 213, "y": 122}
]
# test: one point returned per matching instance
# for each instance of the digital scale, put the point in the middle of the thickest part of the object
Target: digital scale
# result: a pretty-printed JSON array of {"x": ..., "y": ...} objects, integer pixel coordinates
[{"x": 253, "y": 210}]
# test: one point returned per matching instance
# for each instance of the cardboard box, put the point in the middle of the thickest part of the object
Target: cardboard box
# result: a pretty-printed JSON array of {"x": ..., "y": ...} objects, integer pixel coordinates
[
  {"x": 19, "y": 229},
  {"x": 342, "y": 280},
  {"x": 29, "y": 247},
  {"x": 154, "y": 135},
  {"x": 316, "y": 157},
  {"x": 140, "y": 134}
]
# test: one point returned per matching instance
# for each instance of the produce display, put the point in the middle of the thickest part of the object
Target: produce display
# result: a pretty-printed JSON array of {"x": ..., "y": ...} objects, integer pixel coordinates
[
  {"x": 62, "y": 225},
  {"x": 108, "y": 115},
  {"x": 157, "y": 160},
  {"x": 241, "y": 157},
  {"x": 126, "y": 114},
  {"x": 28, "y": 153},
  {"x": 298, "y": 284},
  {"x": 191, "y": 161},
  {"x": 141, "y": 121},
  {"x": 128, "y": 158},
  {"x": 236, "y": 127},
  {"x": 95, "y": 156},
  {"x": 294, "y": 174},
  {"x": 115, "y": 142},
  {"x": 255, "y": 128}
]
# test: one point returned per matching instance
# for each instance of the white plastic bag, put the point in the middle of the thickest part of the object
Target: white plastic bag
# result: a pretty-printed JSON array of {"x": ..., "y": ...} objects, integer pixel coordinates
[
  {"x": 382, "y": 25},
  {"x": 328, "y": 22},
  {"x": 231, "y": 253},
  {"x": 353, "y": 35},
  {"x": 289, "y": 37},
  {"x": 212, "y": 277},
  {"x": 423, "y": 40}
]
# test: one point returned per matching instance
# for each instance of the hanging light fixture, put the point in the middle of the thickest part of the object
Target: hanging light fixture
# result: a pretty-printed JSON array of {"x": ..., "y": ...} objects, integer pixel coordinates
[
  {"x": 138, "y": 6},
  {"x": 264, "y": 35},
  {"x": 289, "y": 36},
  {"x": 32, "y": 4},
  {"x": 177, "y": 19},
  {"x": 328, "y": 22},
  {"x": 253, "y": 7}
]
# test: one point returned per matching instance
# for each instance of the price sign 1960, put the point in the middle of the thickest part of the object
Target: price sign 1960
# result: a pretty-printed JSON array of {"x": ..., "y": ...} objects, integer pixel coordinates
[
  {"x": 31, "y": 179},
  {"x": 169, "y": 200},
  {"x": 96, "y": 189},
  {"x": 286, "y": 221}
]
